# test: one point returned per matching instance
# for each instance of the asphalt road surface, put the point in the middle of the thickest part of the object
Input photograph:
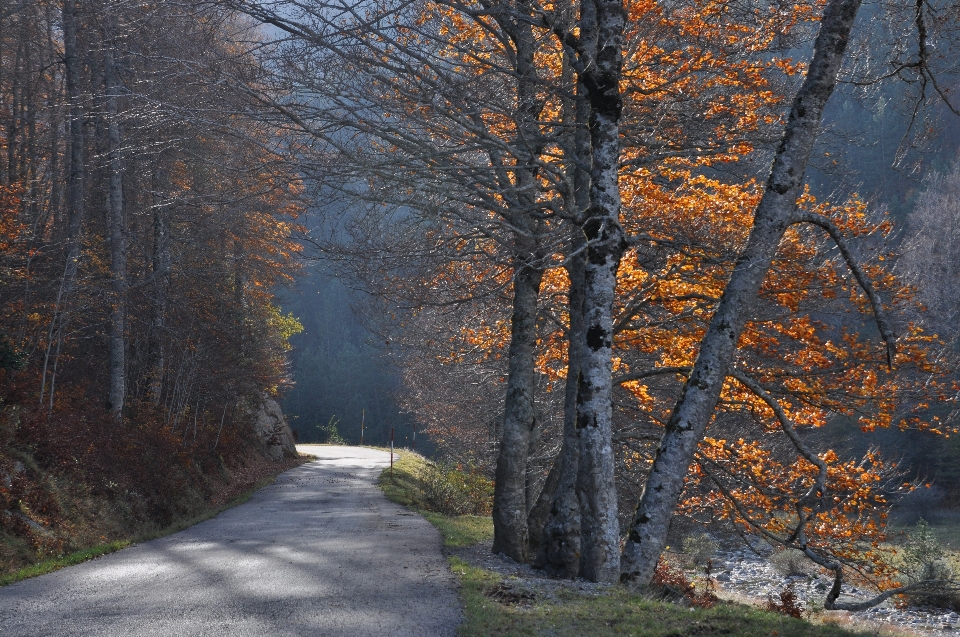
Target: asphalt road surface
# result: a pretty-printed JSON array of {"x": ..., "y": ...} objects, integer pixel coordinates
[{"x": 319, "y": 552}]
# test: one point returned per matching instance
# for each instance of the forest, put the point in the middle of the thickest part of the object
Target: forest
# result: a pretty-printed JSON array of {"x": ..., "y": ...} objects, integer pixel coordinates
[
  {"x": 645, "y": 265},
  {"x": 146, "y": 223}
]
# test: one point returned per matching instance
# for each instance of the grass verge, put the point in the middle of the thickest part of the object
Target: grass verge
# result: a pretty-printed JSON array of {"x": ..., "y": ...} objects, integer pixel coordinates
[
  {"x": 405, "y": 486},
  {"x": 77, "y": 557},
  {"x": 491, "y": 609}
]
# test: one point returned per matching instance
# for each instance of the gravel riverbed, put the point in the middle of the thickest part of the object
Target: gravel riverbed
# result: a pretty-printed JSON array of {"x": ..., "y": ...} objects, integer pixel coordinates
[{"x": 746, "y": 573}]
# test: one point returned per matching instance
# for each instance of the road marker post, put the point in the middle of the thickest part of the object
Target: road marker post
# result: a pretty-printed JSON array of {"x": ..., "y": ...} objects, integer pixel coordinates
[{"x": 391, "y": 452}]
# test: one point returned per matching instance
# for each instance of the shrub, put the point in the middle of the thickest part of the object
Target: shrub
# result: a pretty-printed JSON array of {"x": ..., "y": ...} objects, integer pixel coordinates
[
  {"x": 451, "y": 490},
  {"x": 331, "y": 433},
  {"x": 791, "y": 562},
  {"x": 788, "y": 603},
  {"x": 924, "y": 558},
  {"x": 700, "y": 548},
  {"x": 672, "y": 583}
]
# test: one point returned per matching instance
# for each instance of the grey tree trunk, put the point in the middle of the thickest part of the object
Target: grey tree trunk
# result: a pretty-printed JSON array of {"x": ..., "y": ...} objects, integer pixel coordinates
[
  {"x": 532, "y": 477},
  {"x": 601, "y": 27},
  {"x": 776, "y": 211},
  {"x": 75, "y": 199},
  {"x": 558, "y": 548},
  {"x": 555, "y": 521},
  {"x": 510, "y": 497},
  {"x": 116, "y": 225},
  {"x": 537, "y": 518},
  {"x": 71, "y": 64}
]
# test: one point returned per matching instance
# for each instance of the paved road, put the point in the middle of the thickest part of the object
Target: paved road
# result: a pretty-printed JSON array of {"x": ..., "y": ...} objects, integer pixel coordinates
[{"x": 319, "y": 552}]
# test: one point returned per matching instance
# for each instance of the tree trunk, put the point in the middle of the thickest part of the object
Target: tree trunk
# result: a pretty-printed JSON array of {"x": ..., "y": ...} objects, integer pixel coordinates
[
  {"x": 776, "y": 211},
  {"x": 509, "y": 496},
  {"x": 555, "y": 521},
  {"x": 75, "y": 180},
  {"x": 559, "y": 533},
  {"x": 161, "y": 284},
  {"x": 75, "y": 200},
  {"x": 117, "y": 230},
  {"x": 533, "y": 441},
  {"x": 601, "y": 26}
]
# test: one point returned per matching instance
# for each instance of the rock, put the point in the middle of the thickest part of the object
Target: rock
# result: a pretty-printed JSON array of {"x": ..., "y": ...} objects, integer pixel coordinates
[{"x": 272, "y": 430}]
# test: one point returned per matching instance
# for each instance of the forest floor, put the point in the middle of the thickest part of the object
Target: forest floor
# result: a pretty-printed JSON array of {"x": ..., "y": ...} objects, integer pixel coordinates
[{"x": 503, "y": 597}]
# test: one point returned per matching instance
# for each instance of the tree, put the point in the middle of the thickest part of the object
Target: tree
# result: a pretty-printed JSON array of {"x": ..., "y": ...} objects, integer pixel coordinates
[
  {"x": 776, "y": 212},
  {"x": 411, "y": 155}
]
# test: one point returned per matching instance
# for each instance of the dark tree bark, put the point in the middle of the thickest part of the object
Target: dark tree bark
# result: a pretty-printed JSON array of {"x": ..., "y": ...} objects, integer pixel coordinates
[
  {"x": 558, "y": 533},
  {"x": 116, "y": 224},
  {"x": 75, "y": 198},
  {"x": 555, "y": 521},
  {"x": 161, "y": 284},
  {"x": 777, "y": 210},
  {"x": 509, "y": 498},
  {"x": 71, "y": 64}
]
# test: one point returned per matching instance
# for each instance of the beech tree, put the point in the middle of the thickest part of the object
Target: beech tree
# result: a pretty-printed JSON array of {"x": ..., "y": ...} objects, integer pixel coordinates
[
  {"x": 417, "y": 164},
  {"x": 445, "y": 123},
  {"x": 775, "y": 213},
  {"x": 469, "y": 141}
]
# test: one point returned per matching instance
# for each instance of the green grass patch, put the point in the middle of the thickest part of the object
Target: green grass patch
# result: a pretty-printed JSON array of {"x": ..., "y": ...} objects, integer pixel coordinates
[
  {"x": 405, "y": 485},
  {"x": 615, "y": 611},
  {"x": 461, "y": 530},
  {"x": 56, "y": 563}
]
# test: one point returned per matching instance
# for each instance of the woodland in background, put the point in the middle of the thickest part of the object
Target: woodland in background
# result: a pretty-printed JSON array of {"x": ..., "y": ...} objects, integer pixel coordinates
[
  {"x": 145, "y": 222},
  {"x": 340, "y": 374}
]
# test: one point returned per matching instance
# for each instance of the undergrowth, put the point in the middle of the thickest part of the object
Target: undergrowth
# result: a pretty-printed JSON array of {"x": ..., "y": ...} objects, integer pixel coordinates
[
  {"x": 489, "y": 609},
  {"x": 409, "y": 484}
]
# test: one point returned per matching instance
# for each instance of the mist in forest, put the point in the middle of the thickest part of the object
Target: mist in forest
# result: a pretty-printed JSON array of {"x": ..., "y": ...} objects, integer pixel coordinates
[{"x": 339, "y": 373}]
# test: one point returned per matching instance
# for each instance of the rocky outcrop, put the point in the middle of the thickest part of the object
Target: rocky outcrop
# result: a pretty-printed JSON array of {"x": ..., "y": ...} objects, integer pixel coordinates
[{"x": 272, "y": 430}]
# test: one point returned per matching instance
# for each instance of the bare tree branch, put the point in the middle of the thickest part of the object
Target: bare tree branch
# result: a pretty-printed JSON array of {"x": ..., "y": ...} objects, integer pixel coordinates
[{"x": 883, "y": 323}]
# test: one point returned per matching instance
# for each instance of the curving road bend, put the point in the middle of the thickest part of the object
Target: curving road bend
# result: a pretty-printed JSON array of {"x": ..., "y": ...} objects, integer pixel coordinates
[{"x": 319, "y": 552}]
